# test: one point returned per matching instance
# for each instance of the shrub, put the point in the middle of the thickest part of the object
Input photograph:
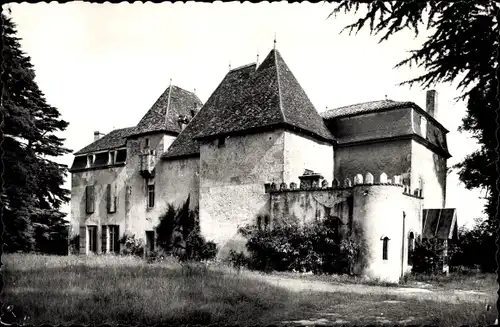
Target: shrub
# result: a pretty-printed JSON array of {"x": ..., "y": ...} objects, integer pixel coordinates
[
  {"x": 132, "y": 245},
  {"x": 178, "y": 234},
  {"x": 314, "y": 247},
  {"x": 427, "y": 256}
]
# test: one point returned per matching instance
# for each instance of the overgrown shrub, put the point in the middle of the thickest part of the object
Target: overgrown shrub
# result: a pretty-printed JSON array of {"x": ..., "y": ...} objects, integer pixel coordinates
[
  {"x": 132, "y": 245},
  {"x": 313, "y": 247},
  {"x": 178, "y": 234}
]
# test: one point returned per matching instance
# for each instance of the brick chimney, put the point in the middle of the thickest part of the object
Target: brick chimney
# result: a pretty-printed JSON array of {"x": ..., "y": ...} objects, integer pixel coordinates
[
  {"x": 431, "y": 103},
  {"x": 97, "y": 135}
]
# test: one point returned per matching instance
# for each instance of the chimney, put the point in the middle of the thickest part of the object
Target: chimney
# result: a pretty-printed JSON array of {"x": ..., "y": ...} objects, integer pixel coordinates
[
  {"x": 97, "y": 135},
  {"x": 431, "y": 103}
]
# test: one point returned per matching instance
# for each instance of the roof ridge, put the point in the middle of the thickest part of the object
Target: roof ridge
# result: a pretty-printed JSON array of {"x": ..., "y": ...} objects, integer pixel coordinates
[
  {"x": 243, "y": 66},
  {"x": 279, "y": 85},
  {"x": 358, "y": 103}
]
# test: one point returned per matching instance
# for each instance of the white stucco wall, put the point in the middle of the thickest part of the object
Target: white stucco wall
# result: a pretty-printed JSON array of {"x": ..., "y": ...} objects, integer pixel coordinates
[
  {"x": 302, "y": 152},
  {"x": 431, "y": 167},
  {"x": 232, "y": 180}
]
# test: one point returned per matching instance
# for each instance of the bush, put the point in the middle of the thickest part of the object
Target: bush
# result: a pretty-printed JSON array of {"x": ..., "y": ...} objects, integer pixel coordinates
[
  {"x": 315, "y": 247},
  {"x": 178, "y": 234},
  {"x": 132, "y": 245}
]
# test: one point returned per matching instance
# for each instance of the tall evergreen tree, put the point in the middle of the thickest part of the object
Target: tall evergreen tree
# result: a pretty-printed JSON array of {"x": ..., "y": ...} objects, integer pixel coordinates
[{"x": 32, "y": 192}]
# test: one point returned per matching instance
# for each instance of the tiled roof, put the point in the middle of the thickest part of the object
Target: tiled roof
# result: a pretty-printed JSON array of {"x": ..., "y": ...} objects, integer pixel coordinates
[
  {"x": 364, "y": 107},
  {"x": 164, "y": 114},
  {"x": 185, "y": 144},
  {"x": 439, "y": 223},
  {"x": 248, "y": 99},
  {"x": 112, "y": 140}
]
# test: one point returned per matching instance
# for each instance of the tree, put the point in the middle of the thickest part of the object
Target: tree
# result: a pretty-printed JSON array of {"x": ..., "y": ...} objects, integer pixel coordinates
[
  {"x": 32, "y": 192},
  {"x": 463, "y": 47}
]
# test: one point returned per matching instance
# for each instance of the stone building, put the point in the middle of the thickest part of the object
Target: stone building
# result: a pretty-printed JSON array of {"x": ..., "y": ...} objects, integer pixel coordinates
[{"x": 238, "y": 157}]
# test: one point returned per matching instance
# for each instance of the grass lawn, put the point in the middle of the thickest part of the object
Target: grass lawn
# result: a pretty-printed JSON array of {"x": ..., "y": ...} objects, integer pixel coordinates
[{"x": 125, "y": 290}]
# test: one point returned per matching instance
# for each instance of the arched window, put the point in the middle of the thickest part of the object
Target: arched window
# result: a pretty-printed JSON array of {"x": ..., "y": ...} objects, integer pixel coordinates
[
  {"x": 385, "y": 246},
  {"x": 411, "y": 247}
]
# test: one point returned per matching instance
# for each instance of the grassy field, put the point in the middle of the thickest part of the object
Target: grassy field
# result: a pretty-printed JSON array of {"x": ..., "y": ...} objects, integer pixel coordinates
[{"x": 125, "y": 290}]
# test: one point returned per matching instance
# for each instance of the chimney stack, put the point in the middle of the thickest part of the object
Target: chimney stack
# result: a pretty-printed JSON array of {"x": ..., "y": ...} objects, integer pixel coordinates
[
  {"x": 97, "y": 135},
  {"x": 431, "y": 103}
]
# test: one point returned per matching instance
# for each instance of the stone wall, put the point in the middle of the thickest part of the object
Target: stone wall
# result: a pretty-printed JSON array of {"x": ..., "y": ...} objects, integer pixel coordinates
[
  {"x": 374, "y": 205},
  {"x": 232, "y": 179}
]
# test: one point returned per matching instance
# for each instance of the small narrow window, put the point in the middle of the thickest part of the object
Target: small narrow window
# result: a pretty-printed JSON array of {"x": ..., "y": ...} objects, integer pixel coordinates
[
  {"x": 221, "y": 142},
  {"x": 385, "y": 246},
  {"x": 266, "y": 222},
  {"x": 259, "y": 222},
  {"x": 146, "y": 142},
  {"x": 151, "y": 196},
  {"x": 411, "y": 247},
  {"x": 111, "y": 198},
  {"x": 89, "y": 194}
]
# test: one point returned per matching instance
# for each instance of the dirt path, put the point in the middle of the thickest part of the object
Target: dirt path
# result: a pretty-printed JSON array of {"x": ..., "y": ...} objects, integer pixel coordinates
[
  {"x": 333, "y": 315},
  {"x": 452, "y": 296}
]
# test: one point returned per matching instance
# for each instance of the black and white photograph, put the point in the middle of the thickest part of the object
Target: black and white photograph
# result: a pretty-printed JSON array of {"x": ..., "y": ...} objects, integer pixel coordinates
[{"x": 268, "y": 163}]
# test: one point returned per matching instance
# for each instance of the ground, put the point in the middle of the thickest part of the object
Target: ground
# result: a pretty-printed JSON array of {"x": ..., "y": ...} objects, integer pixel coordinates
[{"x": 107, "y": 289}]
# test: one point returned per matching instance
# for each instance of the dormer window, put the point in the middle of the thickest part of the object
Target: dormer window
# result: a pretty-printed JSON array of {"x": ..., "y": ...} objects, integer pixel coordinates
[
  {"x": 90, "y": 160},
  {"x": 221, "y": 142}
]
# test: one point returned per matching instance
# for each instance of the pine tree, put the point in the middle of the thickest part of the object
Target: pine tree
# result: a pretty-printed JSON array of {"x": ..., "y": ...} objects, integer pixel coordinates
[{"x": 32, "y": 192}]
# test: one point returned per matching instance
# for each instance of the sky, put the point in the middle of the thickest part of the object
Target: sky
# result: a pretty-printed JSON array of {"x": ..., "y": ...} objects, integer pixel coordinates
[{"x": 104, "y": 65}]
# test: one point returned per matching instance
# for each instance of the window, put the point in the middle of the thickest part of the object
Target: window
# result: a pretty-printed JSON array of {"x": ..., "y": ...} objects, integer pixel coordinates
[
  {"x": 89, "y": 201},
  {"x": 104, "y": 239},
  {"x": 114, "y": 243},
  {"x": 111, "y": 198},
  {"x": 121, "y": 155},
  {"x": 151, "y": 196},
  {"x": 259, "y": 222},
  {"x": 92, "y": 232},
  {"x": 150, "y": 240},
  {"x": 221, "y": 142},
  {"x": 146, "y": 142},
  {"x": 385, "y": 246},
  {"x": 90, "y": 161},
  {"x": 411, "y": 247},
  {"x": 266, "y": 222}
]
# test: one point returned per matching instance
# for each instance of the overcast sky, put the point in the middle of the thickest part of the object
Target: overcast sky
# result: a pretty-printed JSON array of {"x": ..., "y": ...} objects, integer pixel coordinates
[{"x": 104, "y": 65}]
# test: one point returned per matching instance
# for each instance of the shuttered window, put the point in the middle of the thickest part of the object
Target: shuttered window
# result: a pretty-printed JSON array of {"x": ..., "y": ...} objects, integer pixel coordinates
[
  {"x": 89, "y": 194},
  {"x": 385, "y": 248},
  {"x": 104, "y": 239},
  {"x": 83, "y": 239},
  {"x": 92, "y": 232},
  {"x": 111, "y": 198},
  {"x": 114, "y": 241}
]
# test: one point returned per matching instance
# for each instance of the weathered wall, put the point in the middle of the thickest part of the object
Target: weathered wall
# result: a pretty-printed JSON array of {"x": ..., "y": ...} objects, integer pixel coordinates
[
  {"x": 378, "y": 210},
  {"x": 391, "y": 157},
  {"x": 372, "y": 126},
  {"x": 138, "y": 216},
  {"x": 232, "y": 181},
  {"x": 302, "y": 152},
  {"x": 301, "y": 206},
  {"x": 431, "y": 168},
  {"x": 99, "y": 179}
]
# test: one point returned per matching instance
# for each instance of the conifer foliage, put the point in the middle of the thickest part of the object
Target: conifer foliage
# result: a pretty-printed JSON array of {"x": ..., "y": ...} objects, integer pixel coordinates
[{"x": 32, "y": 192}]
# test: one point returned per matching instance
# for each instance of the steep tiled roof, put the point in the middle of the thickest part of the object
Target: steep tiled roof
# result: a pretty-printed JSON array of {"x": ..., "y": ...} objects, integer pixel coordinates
[
  {"x": 112, "y": 140},
  {"x": 364, "y": 107},
  {"x": 248, "y": 99},
  {"x": 164, "y": 114},
  {"x": 439, "y": 223},
  {"x": 230, "y": 87}
]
